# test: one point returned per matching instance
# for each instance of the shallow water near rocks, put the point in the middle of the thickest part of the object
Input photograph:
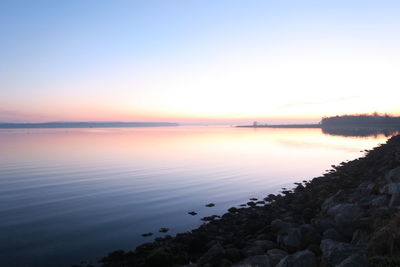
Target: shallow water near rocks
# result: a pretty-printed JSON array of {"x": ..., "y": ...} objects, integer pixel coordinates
[{"x": 68, "y": 195}]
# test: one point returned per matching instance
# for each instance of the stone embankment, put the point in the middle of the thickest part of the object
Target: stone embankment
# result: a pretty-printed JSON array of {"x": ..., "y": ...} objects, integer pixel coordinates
[{"x": 348, "y": 217}]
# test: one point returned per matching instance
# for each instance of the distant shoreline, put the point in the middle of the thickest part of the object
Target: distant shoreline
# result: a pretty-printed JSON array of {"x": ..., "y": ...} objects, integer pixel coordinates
[
  {"x": 282, "y": 126},
  {"x": 54, "y": 125}
]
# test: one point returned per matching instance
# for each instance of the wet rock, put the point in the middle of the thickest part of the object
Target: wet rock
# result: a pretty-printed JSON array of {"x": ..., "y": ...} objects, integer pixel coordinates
[
  {"x": 292, "y": 241},
  {"x": 255, "y": 261},
  {"x": 147, "y": 234},
  {"x": 233, "y": 209},
  {"x": 251, "y": 204},
  {"x": 303, "y": 258},
  {"x": 210, "y": 218},
  {"x": 335, "y": 252},
  {"x": 354, "y": 261},
  {"x": 209, "y": 205},
  {"x": 192, "y": 213},
  {"x": 276, "y": 255},
  {"x": 253, "y": 199},
  {"x": 163, "y": 230}
]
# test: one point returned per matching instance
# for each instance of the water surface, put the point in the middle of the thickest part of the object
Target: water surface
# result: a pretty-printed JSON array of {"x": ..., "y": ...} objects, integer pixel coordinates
[{"x": 73, "y": 194}]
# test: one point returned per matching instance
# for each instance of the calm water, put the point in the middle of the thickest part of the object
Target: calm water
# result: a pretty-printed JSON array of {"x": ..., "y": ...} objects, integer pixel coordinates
[{"x": 69, "y": 195}]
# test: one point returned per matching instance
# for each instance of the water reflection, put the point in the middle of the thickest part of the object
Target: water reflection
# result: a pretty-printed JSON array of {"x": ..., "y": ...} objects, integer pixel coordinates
[
  {"x": 72, "y": 194},
  {"x": 362, "y": 131}
]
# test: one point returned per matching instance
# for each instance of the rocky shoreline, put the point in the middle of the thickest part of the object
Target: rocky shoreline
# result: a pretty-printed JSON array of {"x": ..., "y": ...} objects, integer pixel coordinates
[{"x": 347, "y": 217}]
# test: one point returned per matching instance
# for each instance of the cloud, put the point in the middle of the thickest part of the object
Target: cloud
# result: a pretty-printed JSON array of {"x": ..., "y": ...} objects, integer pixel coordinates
[{"x": 327, "y": 101}]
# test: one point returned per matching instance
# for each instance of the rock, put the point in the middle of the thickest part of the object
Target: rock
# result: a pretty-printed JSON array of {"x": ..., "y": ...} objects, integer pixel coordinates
[
  {"x": 345, "y": 213},
  {"x": 251, "y": 204},
  {"x": 163, "y": 230},
  {"x": 192, "y": 213},
  {"x": 276, "y": 255},
  {"x": 332, "y": 234},
  {"x": 255, "y": 261},
  {"x": 209, "y": 205},
  {"x": 293, "y": 241},
  {"x": 233, "y": 209},
  {"x": 213, "y": 256},
  {"x": 354, "y": 261},
  {"x": 335, "y": 252},
  {"x": 210, "y": 218},
  {"x": 147, "y": 234},
  {"x": 280, "y": 226},
  {"x": 233, "y": 254},
  {"x": 160, "y": 257},
  {"x": 378, "y": 201},
  {"x": 253, "y": 199},
  {"x": 323, "y": 224},
  {"x": 303, "y": 258},
  {"x": 393, "y": 189},
  {"x": 393, "y": 175}
]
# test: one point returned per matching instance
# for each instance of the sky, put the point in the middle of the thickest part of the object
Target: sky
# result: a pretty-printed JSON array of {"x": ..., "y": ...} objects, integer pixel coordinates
[{"x": 197, "y": 61}]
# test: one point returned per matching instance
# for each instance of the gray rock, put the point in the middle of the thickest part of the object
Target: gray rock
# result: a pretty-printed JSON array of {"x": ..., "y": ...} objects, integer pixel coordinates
[
  {"x": 354, "y": 261},
  {"x": 280, "y": 226},
  {"x": 255, "y": 261},
  {"x": 335, "y": 252},
  {"x": 276, "y": 255},
  {"x": 293, "y": 241},
  {"x": 264, "y": 244},
  {"x": 345, "y": 213},
  {"x": 331, "y": 233},
  {"x": 393, "y": 189},
  {"x": 213, "y": 255},
  {"x": 393, "y": 175},
  {"x": 378, "y": 201},
  {"x": 323, "y": 224},
  {"x": 328, "y": 203},
  {"x": 303, "y": 258}
]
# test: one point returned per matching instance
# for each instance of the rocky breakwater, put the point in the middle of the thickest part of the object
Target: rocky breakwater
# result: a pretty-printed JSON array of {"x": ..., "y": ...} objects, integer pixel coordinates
[{"x": 350, "y": 216}]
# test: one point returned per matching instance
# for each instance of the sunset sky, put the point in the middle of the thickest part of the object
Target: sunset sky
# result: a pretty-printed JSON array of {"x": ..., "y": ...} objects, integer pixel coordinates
[{"x": 193, "y": 61}]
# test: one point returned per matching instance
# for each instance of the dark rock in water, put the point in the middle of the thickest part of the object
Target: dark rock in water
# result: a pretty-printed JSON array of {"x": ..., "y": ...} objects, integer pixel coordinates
[
  {"x": 209, "y": 205},
  {"x": 255, "y": 261},
  {"x": 210, "y": 218},
  {"x": 260, "y": 202},
  {"x": 251, "y": 204},
  {"x": 276, "y": 255},
  {"x": 354, "y": 261},
  {"x": 163, "y": 230},
  {"x": 253, "y": 199},
  {"x": 147, "y": 234},
  {"x": 192, "y": 213},
  {"x": 233, "y": 209},
  {"x": 303, "y": 258},
  {"x": 243, "y": 205}
]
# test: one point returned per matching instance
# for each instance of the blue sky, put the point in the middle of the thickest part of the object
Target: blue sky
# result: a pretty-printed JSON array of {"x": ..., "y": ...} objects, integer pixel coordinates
[{"x": 197, "y": 60}]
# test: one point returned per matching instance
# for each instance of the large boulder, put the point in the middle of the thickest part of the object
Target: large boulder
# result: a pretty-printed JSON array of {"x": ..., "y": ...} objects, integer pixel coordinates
[
  {"x": 392, "y": 189},
  {"x": 393, "y": 175},
  {"x": 345, "y": 213},
  {"x": 276, "y": 255},
  {"x": 213, "y": 256},
  {"x": 304, "y": 258},
  {"x": 354, "y": 261},
  {"x": 255, "y": 261},
  {"x": 335, "y": 252}
]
